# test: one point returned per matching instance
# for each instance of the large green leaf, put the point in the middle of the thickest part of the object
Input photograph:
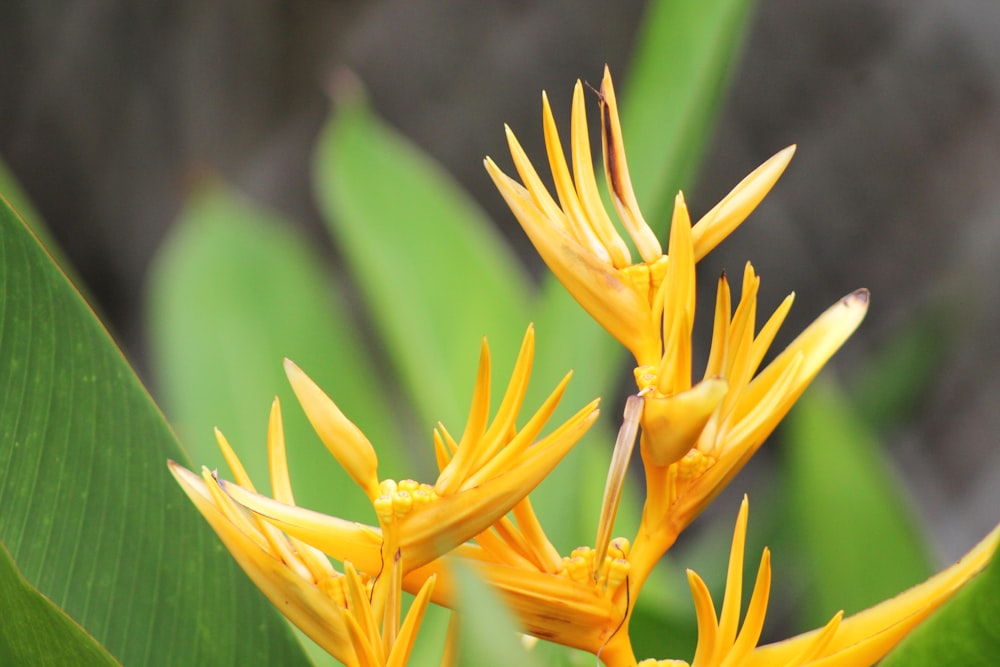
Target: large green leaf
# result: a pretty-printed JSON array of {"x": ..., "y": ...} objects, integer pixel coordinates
[
  {"x": 35, "y": 631},
  {"x": 234, "y": 291},
  {"x": 90, "y": 514},
  {"x": 434, "y": 271},
  {"x": 846, "y": 512},
  {"x": 965, "y": 631}
]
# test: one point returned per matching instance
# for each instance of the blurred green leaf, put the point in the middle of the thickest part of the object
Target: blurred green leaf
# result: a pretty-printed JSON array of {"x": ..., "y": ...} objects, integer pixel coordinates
[
  {"x": 35, "y": 631},
  {"x": 90, "y": 514},
  {"x": 965, "y": 631},
  {"x": 897, "y": 377},
  {"x": 857, "y": 533},
  {"x": 488, "y": 635},
  {"x": 432, "y": 268},
  {"x": 235, "y": 290}
]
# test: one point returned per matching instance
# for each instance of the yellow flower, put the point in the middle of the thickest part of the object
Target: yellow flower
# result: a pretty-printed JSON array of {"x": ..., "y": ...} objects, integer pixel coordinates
[
  {"x": 284, "y": 548},
  {"x": 858, "y": 641},
  {"x": 578, "y": 240},
  {"x": 337, "y": 611},
  {"x": 696, "y": 435}
]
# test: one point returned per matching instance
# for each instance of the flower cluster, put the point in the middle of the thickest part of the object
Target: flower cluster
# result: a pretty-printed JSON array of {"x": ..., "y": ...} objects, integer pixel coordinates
[{"x": 695, "y": 434}]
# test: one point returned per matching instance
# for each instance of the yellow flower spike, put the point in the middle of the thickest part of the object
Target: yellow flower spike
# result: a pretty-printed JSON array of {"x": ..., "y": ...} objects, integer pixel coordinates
[
  {"x": 344, "y": 440},
  {"x": 616, "y": 170},
  {"x": 736, "y": 206},
  {"x": 300, "y": 599}
]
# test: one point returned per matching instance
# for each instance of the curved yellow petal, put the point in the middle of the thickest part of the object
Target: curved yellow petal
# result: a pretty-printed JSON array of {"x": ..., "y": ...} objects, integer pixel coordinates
[
  {"x": 734, "y": 208},
  {"x": 344, "y": 440}
]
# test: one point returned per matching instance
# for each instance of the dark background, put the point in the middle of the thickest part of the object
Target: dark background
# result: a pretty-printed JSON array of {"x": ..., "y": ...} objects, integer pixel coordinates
[{"x": 110, "y": 110}]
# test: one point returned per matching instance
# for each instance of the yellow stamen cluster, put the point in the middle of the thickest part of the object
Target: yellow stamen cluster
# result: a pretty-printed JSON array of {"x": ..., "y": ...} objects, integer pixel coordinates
[{"x": 606, "y": 574}]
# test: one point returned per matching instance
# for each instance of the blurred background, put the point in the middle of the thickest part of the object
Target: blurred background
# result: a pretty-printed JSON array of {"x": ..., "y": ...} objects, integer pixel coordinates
[{"x": 110, "y": 112}]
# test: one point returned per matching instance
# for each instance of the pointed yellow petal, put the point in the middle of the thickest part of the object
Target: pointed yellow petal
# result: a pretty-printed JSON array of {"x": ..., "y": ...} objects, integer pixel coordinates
[
  {"x": 458, "y": 468},
  {"x": 867, "y": 636},
  {"x": 575, "y": 215},
  {"x": 616, "y": 169},
  {"x": 729, "y": 617},
  {"x": 233, "y": 461},
  {"x": 361, "y": 611},
  {"x": 281, "y": 485},
  {"x": 680, "y": 279},
  {"x": 730, "y": 213},
  {"x": 520, "y": 442},
  {"x": 344, "y": 440},
  {"x": 708, "y": 625},
  {"x": 720, "y": 330},
  {"x": 545, "y": 553},
  {"x": 363, "y": 648},
  {"x": 401, "y": 650},
  {"x": 817, "y": 343},
  {"x": 537, "y": 194},
  {"x": 753, "y": 624},
  {"x": 586, "y": 183},
  {"x": 671, "y": 424}
]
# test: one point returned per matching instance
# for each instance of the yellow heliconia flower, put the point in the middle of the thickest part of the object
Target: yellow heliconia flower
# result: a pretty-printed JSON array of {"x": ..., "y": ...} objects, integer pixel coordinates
[
  {"x": 484, "y": 475},
  {"x": 696, "y": 435},
  {"x": 492, "y": 467},
  {"x": 578, "y": 240},
  {"x": 858, "y": 641},
  {"x": 349, "y": 615}
]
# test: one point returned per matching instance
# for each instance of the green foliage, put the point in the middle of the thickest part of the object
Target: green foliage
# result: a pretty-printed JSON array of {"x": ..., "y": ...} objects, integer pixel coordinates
[
  {"x": 433, "y": 270},
  {"x": 235, "y": 290},
  {"x": 90, "y": 515},
  {"x": 35, "y": 631},
  {"x": 487, "y": 634},
  {"x": 847, "y": 515}
]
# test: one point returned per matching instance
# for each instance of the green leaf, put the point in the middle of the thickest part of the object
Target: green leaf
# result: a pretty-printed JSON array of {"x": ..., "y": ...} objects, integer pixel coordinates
[
  {"x": 965, "y": 631},
  {"x": 90, "y": 514},
  {"x": 35, "y": 631},
  {"x": 17, "y": 199},
  {"x": 434, "y": 271},
  {"x": 488, "y": 634},
  {"x": 235, "y": 290},
  {"x": 855, "y": 529}
]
